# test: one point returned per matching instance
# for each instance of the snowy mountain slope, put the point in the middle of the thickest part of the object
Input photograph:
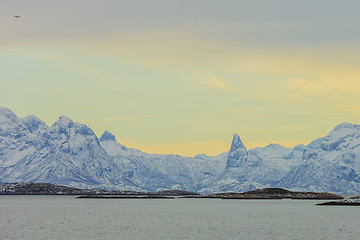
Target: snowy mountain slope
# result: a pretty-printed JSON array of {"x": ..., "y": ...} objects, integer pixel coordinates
[
  {"x": 16, "y": 141},
  {"x": 317, "y": 174},
  {"x": 280, "y": 157},
  {"x": 34, "y": 124},
  {"x": 65, "y": 153},
  {"x": 244, "y": 166},
  {"x": 160, "y": 171},
  {"x": 330, "y": 163},
  {"x": 296, "y": 152},
  {"x": 69, "y": 153},
  {"x": 271, "y": 151}
]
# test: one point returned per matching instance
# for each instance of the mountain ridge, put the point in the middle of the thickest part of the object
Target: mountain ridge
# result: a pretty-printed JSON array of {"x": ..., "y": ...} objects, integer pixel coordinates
[{"x": 69, "y": 153}]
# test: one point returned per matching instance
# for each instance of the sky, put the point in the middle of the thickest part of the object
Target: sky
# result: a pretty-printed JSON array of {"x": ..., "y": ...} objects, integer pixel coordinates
[{"x": 182, "y": 77}]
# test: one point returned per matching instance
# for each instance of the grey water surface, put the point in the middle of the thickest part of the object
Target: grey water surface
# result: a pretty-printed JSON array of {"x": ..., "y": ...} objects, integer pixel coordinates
[{"x": 65, "y": 217}]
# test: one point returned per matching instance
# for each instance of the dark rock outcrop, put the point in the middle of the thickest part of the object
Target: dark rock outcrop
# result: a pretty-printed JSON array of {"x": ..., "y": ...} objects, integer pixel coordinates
[
  {"x": 275, "y": 193},
  {"x": 51, "y": 189}
]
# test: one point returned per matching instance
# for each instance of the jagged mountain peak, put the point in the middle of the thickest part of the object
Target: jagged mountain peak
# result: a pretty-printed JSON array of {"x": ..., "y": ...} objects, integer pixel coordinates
[
  {"x": 69, "y": 153},
  {"x": 64, "y": 120},
  {"x": 345, "y": 127},
  {"x": 33, "y": 123},
  {"x": 66, "y": 126},
  {"x": 274, "y": 145},
  {"x": 6, "y": 114},
  {"x": 237, "y": 152},
  {"x": 107, "y": 136},
  {"x": 270, "y": 151},
  {"x": 270, "y": 147},
  {"x": 31, "y": 117},
  {"x": 237, "y": 143},
  {"x": 5, "y": 110},
  {"x": 300, "y": 147},
  {"x": 341, "y": 135}
]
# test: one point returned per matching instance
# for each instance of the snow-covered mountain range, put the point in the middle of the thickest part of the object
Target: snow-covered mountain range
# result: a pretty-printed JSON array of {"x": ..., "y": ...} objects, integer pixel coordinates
[{"x": 69, "y": 153}]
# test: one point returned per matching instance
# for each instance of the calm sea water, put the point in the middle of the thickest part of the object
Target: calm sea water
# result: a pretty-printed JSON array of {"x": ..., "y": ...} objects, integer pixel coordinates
[{"x": 63, "y": 217}]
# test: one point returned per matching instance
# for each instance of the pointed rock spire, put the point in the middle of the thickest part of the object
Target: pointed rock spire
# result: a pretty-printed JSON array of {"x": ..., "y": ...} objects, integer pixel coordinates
[
  {"x": 237, "y": 152},
  {"x": 236, "y": 143},
  {"x": 107, "y": 136}
]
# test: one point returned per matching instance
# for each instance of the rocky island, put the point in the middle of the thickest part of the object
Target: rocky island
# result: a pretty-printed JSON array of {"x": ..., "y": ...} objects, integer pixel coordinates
[
  {"x": 51, "y": 189},
  {"x": 126, "y": 197},
  {"x": 272, "y": 193},
  {"x": 279, "y": 193},
  {"x": 354, "y": 201}
]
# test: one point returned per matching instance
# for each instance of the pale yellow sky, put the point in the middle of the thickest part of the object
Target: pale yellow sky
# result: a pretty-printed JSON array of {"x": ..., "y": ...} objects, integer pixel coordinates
[{"x": 171, "y": 77}]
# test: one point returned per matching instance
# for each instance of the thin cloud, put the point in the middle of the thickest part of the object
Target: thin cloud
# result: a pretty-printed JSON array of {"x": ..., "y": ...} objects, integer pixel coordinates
[{"x": 219, "y": 83}]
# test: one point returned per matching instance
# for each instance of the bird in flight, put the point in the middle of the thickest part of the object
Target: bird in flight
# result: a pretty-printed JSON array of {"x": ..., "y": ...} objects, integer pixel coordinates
[{"x": 17, "y": 16}]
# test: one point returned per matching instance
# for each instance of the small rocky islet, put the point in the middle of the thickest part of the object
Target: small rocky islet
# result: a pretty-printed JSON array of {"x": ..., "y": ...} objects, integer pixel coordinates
[
  {"x": 273, "y": 193},
  {"x": 126, "y": 197},
  {"x": 354, "y": 201}
]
